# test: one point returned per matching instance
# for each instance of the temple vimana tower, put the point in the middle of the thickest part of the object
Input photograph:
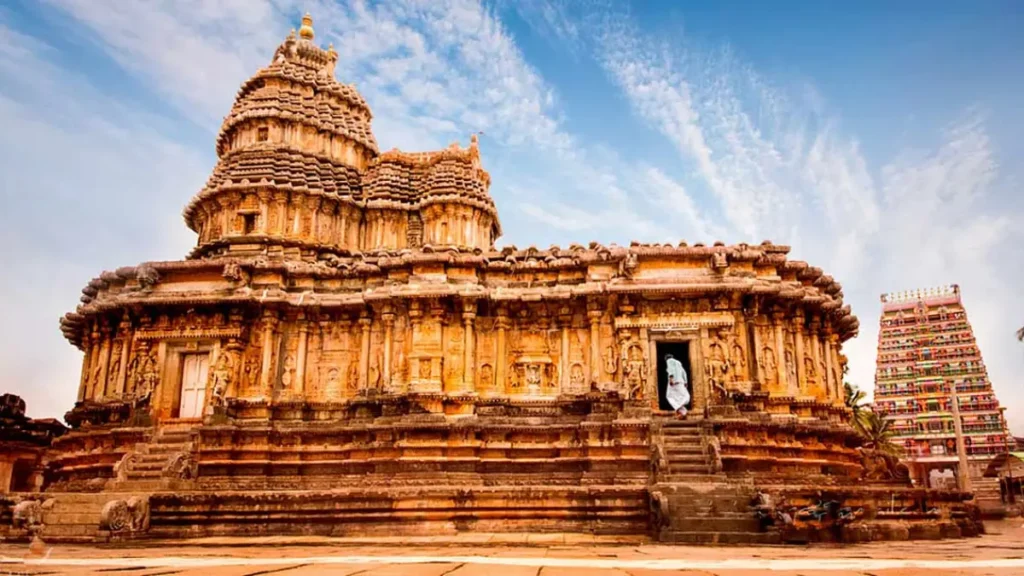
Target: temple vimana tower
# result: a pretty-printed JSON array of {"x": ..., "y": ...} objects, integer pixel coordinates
[
  {"x": 926, "y": 348},
  {"x": 347, "y": 352}
]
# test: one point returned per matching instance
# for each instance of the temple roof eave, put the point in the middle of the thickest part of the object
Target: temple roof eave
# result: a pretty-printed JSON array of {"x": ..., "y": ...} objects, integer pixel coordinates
[{"x": 813, "y": 291}]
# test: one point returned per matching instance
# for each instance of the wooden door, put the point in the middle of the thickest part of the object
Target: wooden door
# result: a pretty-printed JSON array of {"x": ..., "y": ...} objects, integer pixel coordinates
[{"x": 194, "y": 370}]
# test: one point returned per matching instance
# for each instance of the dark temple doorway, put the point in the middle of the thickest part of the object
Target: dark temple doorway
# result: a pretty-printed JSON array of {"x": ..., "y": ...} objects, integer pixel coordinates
[{"x": 680, "y": 351}]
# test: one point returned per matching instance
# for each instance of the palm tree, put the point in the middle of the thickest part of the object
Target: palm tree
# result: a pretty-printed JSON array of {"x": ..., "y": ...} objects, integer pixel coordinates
[
  {"x": 855, "y": 398},
  {"x": 877, "y": 432}
]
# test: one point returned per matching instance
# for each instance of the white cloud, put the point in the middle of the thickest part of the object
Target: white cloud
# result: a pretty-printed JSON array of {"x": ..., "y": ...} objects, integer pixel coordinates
[
  {"x": 86, "y": 186},
  {"x": 777, "y": 166}
]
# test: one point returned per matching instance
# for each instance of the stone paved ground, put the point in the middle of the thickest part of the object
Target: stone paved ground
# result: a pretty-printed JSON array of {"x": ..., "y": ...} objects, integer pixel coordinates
[{"x": 1001, "y": 552}]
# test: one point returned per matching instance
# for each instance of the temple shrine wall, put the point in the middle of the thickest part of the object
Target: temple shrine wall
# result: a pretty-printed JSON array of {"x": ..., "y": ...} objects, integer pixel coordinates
[{"x": 482, "y": 346}]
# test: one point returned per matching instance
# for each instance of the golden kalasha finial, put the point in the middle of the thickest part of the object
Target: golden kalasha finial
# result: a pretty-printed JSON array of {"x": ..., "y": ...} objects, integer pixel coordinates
[{"x": 306, "y": 31}]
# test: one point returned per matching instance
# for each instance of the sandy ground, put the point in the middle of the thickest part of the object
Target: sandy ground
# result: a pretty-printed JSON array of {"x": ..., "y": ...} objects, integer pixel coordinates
[{"x": 999, "y": 552}]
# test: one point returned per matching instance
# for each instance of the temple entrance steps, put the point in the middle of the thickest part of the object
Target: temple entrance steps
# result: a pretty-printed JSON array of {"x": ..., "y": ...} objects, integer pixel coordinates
[
  {"x": 148, "y": 466},
  {"x": 694, "y": 502},
  {"x": 69, "y": 517},
  {"x": 681, "y": 449}
]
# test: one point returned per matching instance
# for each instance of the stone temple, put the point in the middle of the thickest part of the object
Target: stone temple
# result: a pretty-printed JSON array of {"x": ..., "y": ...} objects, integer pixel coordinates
[{"x": 346, "y": 352}]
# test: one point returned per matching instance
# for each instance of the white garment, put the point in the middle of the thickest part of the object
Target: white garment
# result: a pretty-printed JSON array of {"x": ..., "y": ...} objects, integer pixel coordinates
[{"x": 676, "y": 393}]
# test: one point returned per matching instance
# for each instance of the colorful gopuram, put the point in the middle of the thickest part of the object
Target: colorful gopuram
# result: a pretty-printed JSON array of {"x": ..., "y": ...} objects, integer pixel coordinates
[
  {"x": 347, "y": 352},
  {"x": 926, "y": 350}
]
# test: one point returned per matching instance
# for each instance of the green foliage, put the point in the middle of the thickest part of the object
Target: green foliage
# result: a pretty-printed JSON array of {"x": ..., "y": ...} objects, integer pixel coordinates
[
  {"x": 855, "y": 398},
  {"x": 874, "y": 427},
  {"x": 877, "y": 432}
]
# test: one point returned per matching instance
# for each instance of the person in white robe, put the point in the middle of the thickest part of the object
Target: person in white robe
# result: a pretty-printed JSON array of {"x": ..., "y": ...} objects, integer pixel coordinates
[{"x": 676, "y": 393}]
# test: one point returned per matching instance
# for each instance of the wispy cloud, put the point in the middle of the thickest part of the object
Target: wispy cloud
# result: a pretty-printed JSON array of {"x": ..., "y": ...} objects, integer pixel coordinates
[
  {"x": 766, "y": 160},
  {"x": 80, "y": 175}
]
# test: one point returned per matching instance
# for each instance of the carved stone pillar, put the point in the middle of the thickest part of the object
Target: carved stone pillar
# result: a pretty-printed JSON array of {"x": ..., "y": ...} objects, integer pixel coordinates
[
  {"x": 83, "y": 384},
  {"x": 815, "y": 331},
  {"x": 101, "y": 386},
  {"x": 364, "y": 350},
  {"x": 501, "y": 324},
  {"x": 778, "y": 317},
  {"x": 388, "y": 318},
  {"x": 754, "y": 345},
  {"x": 300, "y": 361},
  {"x": 798, "y": 351},
  {"x": 125, "y": 332},
  {"x": 594, "y": 315},
  {"x": 834, "y": 372},
  {"x": 565, "y": 320},
  {"x": 469, "y": 354},
  {"x": 266, "y": 383}
]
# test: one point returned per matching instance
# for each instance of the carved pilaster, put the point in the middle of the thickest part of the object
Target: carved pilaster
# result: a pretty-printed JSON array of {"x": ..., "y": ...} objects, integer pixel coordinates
[
  {"x": 564, "y": 321},
  {"x": 388, "y": 318},
  {"x": 83, "y": 384},
  {"x": 364, "y": 350},
  {"x": 300, "y": 361},
  {"x": 269, "y": 325},
  {"x": 815, "y": 331},
  {"x": 832, "y": 388},
  {"x": 501, "y": 324},
  {"x": 753, "y": 343},
  {"x": 594, "y": 316},
  {"x": 798, "y": 336},
  {"x": 125, "y": 333},
  {"x": 469, "y": 354},
  {"x": 778, "y": 317},
  {"x": 102, "y": 385}
]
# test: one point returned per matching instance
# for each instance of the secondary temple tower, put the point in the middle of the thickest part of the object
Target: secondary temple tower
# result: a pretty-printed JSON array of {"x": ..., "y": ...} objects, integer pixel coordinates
[
  {"x": 926, "y": 351},
  {"x": 345, "y": 351}
]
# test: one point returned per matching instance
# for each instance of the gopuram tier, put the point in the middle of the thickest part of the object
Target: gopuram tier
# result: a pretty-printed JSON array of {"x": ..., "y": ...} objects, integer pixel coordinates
[{"x": 346, "y": 352}]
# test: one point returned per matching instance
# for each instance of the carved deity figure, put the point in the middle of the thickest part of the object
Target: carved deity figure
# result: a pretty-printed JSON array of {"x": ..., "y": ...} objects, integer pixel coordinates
[
  {"x": 353, "y": 376},
  {"x": 147, "y": 376},
  {"x": 288, "y": 375},
  {"x": 332, "y": 388},
  {"x": 809, "y": 372},
  {"x": 738, "y": 361},
  {"x": 533, "y": 377},
  {"x": 610, "y": 363},
  {"x": 769, "y": 366},
  {"x": 220, "y": 378},
  {"x": 717, "y": 366},
  {"x": 634, "y": 367},
  {"x": 115, "y": 366},
  {"x": 486, "y": 377},
  {"x": 790, "y": 367},
  {"x": 577, "y": 379}
]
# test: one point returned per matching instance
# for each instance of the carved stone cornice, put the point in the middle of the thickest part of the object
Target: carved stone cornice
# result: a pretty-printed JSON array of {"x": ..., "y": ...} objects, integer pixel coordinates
[{"x": 682, "y": 322}]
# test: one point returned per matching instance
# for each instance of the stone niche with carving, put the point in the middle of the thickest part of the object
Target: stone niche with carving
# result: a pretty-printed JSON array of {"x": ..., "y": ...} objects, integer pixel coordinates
[{"x": 345, "y": 324}]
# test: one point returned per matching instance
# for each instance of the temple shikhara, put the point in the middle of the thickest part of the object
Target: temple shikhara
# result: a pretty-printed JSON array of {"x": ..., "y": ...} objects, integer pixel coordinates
[
  {"x": 347, "y": 352},
  {"x": 926, "y": 348}
]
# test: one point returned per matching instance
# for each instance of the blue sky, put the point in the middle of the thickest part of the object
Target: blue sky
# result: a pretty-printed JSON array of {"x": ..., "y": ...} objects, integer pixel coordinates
[{"x": 881, "y": 141}]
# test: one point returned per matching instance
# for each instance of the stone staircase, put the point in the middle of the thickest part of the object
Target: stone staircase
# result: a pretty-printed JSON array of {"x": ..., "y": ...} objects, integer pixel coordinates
[
  {"x": 699, "y": 505},
  {"x": 150, "y": 460}
]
